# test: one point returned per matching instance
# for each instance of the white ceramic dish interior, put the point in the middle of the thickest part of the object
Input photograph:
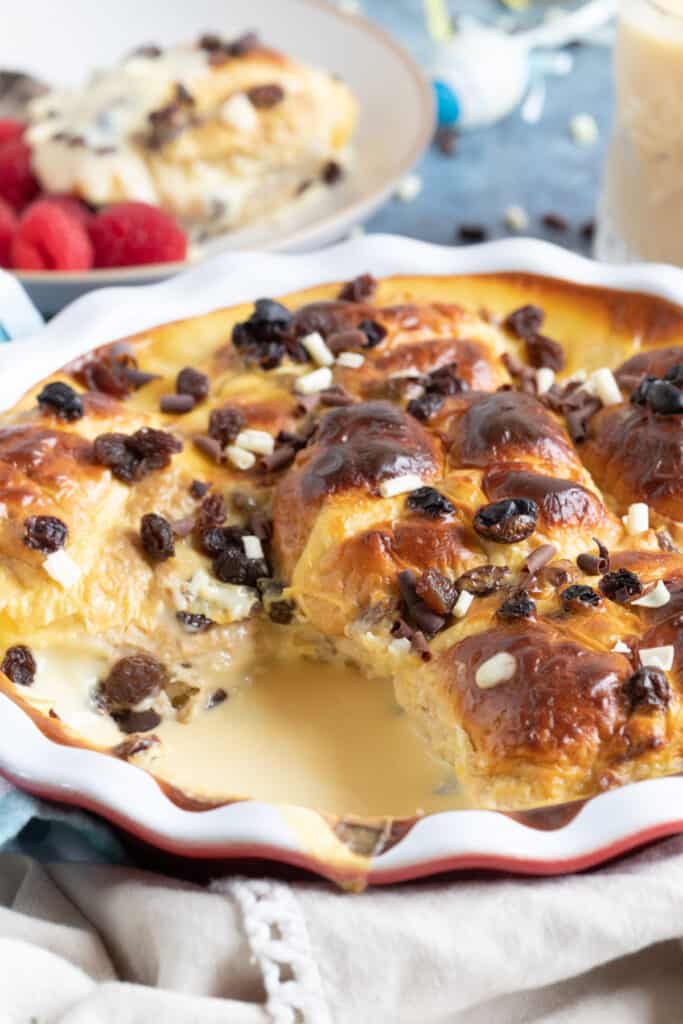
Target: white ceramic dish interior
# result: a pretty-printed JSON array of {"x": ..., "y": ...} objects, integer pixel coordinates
[
  {"x": 604, "y": 826},
  {"x": 396, "y": 106}
]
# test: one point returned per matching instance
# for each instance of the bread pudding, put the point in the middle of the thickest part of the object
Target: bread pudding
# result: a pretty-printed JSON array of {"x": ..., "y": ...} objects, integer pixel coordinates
[{"x": 467, "y": 486}]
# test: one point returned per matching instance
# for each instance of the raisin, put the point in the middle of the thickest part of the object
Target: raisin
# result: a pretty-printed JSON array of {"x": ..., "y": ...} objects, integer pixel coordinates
[
  {"x": 543, "y": 351},
  {"x": 525, "y": 322},
  {"x": 373, "y": 332},
  {"x": 579, "y": 596},
  {"x": 193, "y": 383},
  {"x": 360, "y": 289},
  {"x": 132, "y": 457},
  {"x": 281, "y": 612},
  {"x": 136, "y": 721},
  {"x": 199, "y": 489},
  {"x": 194, "y": 623},
  {"x": 430, "y": 502},
  {"x": 262, "y": 337},
  {"x": 45, "y": 533},
  {"x": 212, "y": 512},
  {"x": 621, "y": 586},
  {"x": 517, "y": 606},
  {"x": 664, "y": 398},
  {"x": 218, "y": 539},
  {"x": 62, "y": 400},
  {"x": 484, "y": 579},
  {"x": 156, "y": 534},
  {"x": 473, "y": 233},
  {"x": 233, "y": 566},
  {"x": 131, "y": 680},
  {"x": 263, "y": 97},
  {"x": 508, "y": 521},
  {"x": 19, "y": 665},
  {"x": 648, "y": 688},
  {"x": 135, "y": 745},
  {"x": 225, "y": 424},
  {"x": 437, "y": 591},
  {"x": 426, "y": 406}
]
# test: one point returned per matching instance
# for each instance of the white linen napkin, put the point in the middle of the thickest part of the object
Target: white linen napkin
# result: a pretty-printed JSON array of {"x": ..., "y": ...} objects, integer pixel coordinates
[{"x": 94, "y": 944}]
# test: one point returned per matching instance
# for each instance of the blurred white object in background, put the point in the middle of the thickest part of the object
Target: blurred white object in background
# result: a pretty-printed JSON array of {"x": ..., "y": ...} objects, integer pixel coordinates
[
  {"x": 641, "y": 208},
  {"x": 481, "y": 73}
]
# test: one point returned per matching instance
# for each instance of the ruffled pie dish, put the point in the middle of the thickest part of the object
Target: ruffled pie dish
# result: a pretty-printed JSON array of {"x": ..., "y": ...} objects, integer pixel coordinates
[{"x": 587, "y": 695}]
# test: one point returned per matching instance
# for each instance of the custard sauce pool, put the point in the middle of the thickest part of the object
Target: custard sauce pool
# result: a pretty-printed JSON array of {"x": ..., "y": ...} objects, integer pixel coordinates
[{"x": 310, "y": 734}]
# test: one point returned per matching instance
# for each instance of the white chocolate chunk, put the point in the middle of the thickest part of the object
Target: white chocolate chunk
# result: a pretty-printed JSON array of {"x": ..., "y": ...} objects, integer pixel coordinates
[
  {"x": 545, "y": 378},
  {"x": 351, "y": 360},
  {"x": 239, "y": 457},
  {"x": 238, "y": 112},
  {"x": 495, "y": 670},
  {"x": 655, "y": 598},
  {"x": 621, "y": 648},
  {"x": 410, "y": 188},
  {"x": 657, "y": 657},
  {"x": 461, "y": 606},
  {"x": 603, "y": 384},
  {"x": 638, "y": 519},
  {"x": 584, "y": 129},
  {"x": 317, "y": 380},
  {"x": 62, "y": 568},
  {"x": 317, "y": 349},
  {"x": 252, "y": 546},
  {"x": 258, "y": 441},
  {"x": 516, "y": 218},
  {"x": 205, "y": 594},
  {"x": 399, "y": 485},
  {"x": 401, "y": 646}
]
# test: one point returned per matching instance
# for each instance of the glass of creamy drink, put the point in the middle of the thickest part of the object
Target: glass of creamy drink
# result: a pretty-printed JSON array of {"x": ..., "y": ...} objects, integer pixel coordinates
[{"x": 640, "y": 214}]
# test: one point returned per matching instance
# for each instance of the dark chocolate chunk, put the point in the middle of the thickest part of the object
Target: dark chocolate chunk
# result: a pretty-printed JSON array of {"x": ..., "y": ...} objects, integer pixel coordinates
[
  {"x": 417, "y": 611},
  {"x": 177, "y": 403},
  {"x": 332, "y": 172},
  {"x": 472, "y": 233},
  {"x": 199, "y": 489},
  {"x": 360, "y": 289},
  {"x": 426, "y": 406},
  {"x": 263, "y": 337},
  {"x": 217, "y": 697},
  {"x": 373, "y": 331},
  {"x": 62, "y": 400},
  {"x": 19, "y": 665},
  {"x": 594, "y": 565},
  {"x": 555, "y": 221},
  {"x": 192, "y": 382},
  {"x": 156, "y": 534},
  {"x": 208, "y": 446},
  {"x": 508, "y": 521},
  {"x": 45, "y": 533},
  {"x": 135, "y": 745}
]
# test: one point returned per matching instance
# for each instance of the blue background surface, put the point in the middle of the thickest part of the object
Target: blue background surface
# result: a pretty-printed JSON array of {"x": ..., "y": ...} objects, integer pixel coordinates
[{"x": 539, "y": 166}]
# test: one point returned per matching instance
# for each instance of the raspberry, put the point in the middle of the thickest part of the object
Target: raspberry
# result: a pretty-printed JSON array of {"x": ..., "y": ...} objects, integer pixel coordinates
[
  {"x": 71, "y": 205},
  {"x": 49, "y": 238},
  {"x": 8, "y": 225},
  {"x": 10, "y": 129},
  {"x": 128, "y": 234},
  {"x": 18, "y": 185}
]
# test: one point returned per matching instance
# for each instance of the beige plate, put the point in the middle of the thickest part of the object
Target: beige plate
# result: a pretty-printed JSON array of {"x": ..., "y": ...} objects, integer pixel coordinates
[{"x": 396, "y": 106}]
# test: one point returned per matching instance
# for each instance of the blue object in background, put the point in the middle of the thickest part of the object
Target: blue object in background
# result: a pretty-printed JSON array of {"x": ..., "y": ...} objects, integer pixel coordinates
[{"x": 447, "y": 105}]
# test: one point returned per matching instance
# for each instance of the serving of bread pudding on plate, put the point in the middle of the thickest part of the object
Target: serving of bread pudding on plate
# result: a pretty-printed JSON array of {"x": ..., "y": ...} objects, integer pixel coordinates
[
  {"x": 218, "y": 133},
  {"x": 469, "y": 486}
]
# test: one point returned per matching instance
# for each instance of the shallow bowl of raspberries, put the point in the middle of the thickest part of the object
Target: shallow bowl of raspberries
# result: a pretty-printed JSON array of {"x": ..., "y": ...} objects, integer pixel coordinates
[{"x": 60, "y": 247}]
